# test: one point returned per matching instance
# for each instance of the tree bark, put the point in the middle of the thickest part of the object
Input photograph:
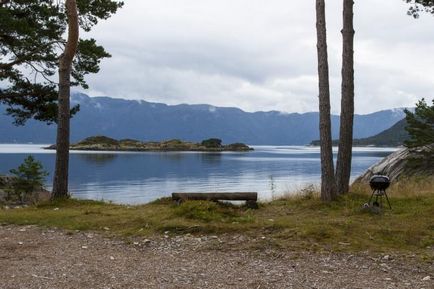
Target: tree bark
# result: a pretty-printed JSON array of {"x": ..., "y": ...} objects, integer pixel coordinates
[
  {"x": 343, "y": 165},
  {"x": 328, "y": 183},
  {"x": 60, "y": 183}
]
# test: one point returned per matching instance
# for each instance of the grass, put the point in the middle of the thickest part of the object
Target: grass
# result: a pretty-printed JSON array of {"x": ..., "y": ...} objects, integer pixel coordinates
[{"x": 300, "y": 221}]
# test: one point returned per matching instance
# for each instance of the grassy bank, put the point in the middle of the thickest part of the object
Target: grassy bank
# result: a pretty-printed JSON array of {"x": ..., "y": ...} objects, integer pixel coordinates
[{"x": 294, "y": 222}]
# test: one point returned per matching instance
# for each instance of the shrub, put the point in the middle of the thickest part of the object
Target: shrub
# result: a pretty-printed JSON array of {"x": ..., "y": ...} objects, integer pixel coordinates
[{"x": 28, "y": 177}]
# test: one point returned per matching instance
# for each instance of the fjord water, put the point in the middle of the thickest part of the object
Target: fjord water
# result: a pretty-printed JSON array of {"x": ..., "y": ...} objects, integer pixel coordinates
[{"x": 141, "y": 177}]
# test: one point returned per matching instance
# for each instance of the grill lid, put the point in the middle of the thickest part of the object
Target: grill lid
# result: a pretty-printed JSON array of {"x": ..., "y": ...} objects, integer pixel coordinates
[
  {"x": 379, "y": 179},
  {"x": 379, "y": 182}
]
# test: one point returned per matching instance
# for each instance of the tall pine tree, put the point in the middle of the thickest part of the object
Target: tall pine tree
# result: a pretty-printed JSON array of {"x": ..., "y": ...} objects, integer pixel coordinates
[
  {"x": 33, "y": 49},
  {"x": 343, "y": 164},
  {"x": 328, "y": 183}
]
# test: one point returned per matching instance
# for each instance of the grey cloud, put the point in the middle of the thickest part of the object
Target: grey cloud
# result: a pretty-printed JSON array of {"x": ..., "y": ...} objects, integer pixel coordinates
[{"x": 261, "y": 55}]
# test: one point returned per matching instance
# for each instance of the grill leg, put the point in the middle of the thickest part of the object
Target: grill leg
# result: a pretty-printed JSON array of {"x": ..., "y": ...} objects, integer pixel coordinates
[
  {"x": 372, "y": 195},
  {"x": 387, "y": 198},
  {"x": 381, "y": 201}
]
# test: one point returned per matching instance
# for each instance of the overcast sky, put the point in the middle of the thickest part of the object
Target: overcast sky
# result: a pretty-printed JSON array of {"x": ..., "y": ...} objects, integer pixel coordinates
[{"x": 261, "y": 55}]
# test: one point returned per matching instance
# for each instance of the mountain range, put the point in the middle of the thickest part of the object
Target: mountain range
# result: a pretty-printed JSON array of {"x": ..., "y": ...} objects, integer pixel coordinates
[{"x": 121, "y": 118}]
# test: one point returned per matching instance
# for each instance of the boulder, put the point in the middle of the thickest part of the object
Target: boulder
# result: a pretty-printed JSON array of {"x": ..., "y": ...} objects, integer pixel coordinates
[
  {"x": 403, "y": 163},
  {"x": 4, "y": 180}
]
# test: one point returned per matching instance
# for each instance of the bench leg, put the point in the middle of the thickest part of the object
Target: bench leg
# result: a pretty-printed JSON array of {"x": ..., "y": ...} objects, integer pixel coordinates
[
  {"x": 178, "y": 202},
  {"x": 252, "y": 204}
]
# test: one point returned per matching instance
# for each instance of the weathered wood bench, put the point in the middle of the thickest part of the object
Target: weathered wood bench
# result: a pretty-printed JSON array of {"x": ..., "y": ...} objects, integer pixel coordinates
[{"x": 250, "y": 198}]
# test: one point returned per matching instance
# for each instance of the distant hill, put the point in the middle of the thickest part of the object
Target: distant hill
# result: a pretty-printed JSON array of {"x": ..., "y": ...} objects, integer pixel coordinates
[
  {"x": 393, "y": 136},
  {"x": 142, "y": 120}
]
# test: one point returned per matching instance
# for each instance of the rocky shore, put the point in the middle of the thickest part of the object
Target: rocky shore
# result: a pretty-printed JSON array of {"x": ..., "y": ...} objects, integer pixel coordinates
[{"x": 103, "y": 143}]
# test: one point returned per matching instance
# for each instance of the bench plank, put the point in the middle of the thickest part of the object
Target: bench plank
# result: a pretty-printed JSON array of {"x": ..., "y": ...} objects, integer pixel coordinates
[{"x": 212, "y": 196}]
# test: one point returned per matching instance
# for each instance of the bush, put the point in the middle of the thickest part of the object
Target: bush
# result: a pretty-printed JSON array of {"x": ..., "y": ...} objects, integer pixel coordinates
[{"x": 28, "y": 177}]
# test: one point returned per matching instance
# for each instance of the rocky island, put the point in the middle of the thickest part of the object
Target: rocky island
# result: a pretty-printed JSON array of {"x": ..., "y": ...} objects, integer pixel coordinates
[{"x": 103, "y": 143}]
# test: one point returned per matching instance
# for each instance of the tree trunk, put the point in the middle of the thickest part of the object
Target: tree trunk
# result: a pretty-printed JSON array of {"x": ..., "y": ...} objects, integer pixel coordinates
[
  {"x": 343, "y": 166},
  {"x": 328, "y": 183},
  {"x": 60, "y": 184}
]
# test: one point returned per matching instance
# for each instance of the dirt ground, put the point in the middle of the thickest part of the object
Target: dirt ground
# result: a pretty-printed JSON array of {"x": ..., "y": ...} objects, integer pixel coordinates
[{"x": 32, "y": 257}]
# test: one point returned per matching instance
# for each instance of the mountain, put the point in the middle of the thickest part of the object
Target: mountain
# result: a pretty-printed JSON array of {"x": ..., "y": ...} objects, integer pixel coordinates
[
  {"x": 391, "y": 137},
  {"x": 120, "y": 118},
  {"x": 394, "y": 136}
]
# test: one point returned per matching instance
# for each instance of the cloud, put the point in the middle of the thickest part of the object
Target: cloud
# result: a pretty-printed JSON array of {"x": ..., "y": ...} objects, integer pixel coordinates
[{"x": 261, "y": 55}]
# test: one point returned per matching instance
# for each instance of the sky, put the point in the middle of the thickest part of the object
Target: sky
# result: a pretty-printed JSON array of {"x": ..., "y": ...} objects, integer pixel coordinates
[{"x": 261, "y": 55}]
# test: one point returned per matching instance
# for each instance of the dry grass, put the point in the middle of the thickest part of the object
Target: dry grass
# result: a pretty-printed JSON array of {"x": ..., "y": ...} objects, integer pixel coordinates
[{"x": 406, "y": 188}]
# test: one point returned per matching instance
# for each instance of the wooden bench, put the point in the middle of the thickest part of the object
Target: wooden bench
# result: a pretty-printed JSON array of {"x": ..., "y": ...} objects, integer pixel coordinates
[{"x": 250, "y": 198}]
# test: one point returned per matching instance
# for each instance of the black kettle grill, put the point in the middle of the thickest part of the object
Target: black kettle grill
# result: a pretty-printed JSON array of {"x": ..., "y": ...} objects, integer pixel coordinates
[{"x": 379, "y": 184}]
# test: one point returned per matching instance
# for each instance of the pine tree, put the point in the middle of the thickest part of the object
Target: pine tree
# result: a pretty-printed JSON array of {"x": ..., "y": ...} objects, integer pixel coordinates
[
  {"x": 420, "y": 125},
  {"x": 328, "y": 183},
  {"x": 32, "y": 50},
  {"x": 343, "y": 164}
]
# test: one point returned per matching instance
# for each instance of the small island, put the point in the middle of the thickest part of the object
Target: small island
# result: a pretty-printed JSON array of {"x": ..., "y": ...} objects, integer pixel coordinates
[{"x": 104, "y": 143}]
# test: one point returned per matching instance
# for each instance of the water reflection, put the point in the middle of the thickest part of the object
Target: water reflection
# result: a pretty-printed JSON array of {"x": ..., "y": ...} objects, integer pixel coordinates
[
  {"x": 211, "y": 158},
  {"x": 100, "y": 159}
]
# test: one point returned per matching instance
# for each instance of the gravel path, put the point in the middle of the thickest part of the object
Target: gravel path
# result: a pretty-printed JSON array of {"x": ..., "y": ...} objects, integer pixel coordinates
[{"x": 32, "y": 257}]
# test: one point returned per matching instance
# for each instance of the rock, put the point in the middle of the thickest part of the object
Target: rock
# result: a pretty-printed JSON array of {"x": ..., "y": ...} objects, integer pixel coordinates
[
  {"x": 146, "y": 241},
  {"x": 395, "y": 166},
  {"x": 4, "y": 180}
]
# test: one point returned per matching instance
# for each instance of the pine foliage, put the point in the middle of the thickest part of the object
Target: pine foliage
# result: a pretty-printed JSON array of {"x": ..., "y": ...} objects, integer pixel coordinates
[
  {"x": 420, "y": 125},
  {"x": 31, "y": 42}
]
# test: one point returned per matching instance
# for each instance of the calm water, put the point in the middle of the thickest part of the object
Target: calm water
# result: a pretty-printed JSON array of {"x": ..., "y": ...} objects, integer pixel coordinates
[{"x": 133, "y": 178}]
